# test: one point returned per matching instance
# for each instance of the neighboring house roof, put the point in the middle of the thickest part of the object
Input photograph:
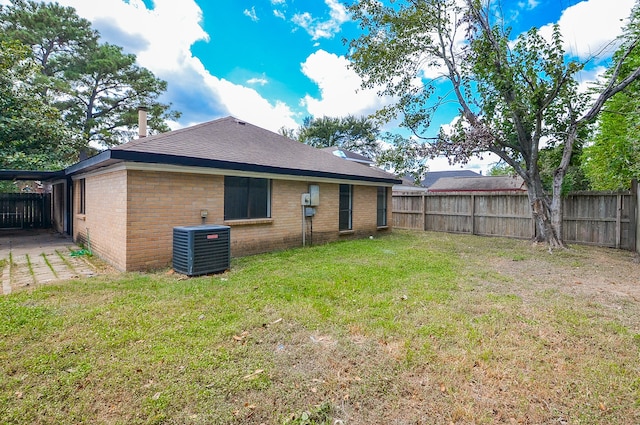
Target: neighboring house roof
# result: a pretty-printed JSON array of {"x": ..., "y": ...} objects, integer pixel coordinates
[
  {"x": 479, "y": 184},
  {"x": 408, "y": 185},
  {"x": 232, "y": 144},
  {"x": 348, "y": 155},
  {"x": 433, "y": 176}
]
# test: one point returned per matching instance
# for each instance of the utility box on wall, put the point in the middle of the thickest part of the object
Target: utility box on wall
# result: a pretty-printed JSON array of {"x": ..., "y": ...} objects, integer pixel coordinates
[
  {"x": 314, "y": 195},
  {"x": 199, "y": 250}
]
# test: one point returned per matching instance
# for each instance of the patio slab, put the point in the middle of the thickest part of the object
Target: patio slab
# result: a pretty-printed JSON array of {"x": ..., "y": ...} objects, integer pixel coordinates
[{"x": 38, "y": 257}]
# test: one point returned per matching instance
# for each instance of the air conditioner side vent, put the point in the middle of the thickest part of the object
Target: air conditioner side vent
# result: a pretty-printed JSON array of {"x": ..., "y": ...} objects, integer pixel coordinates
[{"x": 199, "y": 250}]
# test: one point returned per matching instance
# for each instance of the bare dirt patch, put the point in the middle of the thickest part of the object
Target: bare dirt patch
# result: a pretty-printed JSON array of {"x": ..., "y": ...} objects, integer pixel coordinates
[
  {"x": 592, "y": 271},
  {"x": 609, "y": 277}
]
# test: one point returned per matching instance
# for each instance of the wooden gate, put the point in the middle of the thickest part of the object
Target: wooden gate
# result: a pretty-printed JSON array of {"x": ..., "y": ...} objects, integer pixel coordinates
[{"x": 25, "y": 210}]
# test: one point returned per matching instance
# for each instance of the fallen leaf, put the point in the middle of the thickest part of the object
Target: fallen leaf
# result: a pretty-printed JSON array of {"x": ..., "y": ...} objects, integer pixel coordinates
[
  {"x": 277, "y": 321},
  {"x": 443, "y": 389},
  {"x": 602, "y": 407},
  {"x": 156, "y": 395},
  {"x": 19, "y": 394}
]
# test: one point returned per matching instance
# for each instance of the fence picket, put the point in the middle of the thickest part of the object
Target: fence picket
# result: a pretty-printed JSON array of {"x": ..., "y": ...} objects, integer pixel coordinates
[{"x": 595, "y": 218}]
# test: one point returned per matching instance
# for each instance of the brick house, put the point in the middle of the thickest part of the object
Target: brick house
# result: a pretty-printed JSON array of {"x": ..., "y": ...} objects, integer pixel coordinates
[{"x": 124, "y": 202}]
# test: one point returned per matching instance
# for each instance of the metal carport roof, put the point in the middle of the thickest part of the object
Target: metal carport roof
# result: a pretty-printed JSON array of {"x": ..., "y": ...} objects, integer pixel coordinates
[{"x": 30, "y": 175}]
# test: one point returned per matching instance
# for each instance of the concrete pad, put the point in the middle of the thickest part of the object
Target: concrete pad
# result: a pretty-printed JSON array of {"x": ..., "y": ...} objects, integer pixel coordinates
[{"x": 38, "y": 257}]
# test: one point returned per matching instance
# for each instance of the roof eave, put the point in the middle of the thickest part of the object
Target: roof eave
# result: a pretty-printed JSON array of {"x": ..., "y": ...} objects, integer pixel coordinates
[
  {"x": 110, "y": 156},
  {"x": 30, "y": 175}
]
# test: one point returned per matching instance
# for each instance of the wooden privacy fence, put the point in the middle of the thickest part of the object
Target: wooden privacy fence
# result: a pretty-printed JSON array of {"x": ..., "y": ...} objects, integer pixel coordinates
[
  {"x": 25, "y": 210},
  {"x": 595, "y": 218}
]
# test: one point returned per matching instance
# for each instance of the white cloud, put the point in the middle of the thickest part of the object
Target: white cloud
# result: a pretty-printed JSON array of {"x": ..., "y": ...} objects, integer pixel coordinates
[
  {"x": 277, "y": 2},
  {"x": 279, "y": 14},
  {"x": 251, "y": 14},
  {"x": 587, "y": 78},
  {"x": 340, "y": 92},
  {"x": 167, "y": 53},
  {"x": 323, "y": 29},
  {"x": 528, "y": 4},
  {"x": 477, "y": 164},
  {"x": 257, "y": 81},
  {"x": 247, "y": 104},
  {"x": 162, "y": 50},
  {"x": 589, "y": 27}
]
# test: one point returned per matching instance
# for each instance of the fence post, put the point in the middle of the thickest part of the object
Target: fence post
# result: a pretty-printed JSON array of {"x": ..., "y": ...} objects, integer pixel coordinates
[
  {"x": 473, "y": 214},
  {"x": 634, "y": 234},
  {"x": 424, "y": 212},
  {"x": 618, "y": 220}
]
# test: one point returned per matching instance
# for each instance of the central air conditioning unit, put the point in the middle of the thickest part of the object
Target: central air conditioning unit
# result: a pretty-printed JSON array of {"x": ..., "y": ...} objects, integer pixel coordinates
[{"x": 199, "y": 250}]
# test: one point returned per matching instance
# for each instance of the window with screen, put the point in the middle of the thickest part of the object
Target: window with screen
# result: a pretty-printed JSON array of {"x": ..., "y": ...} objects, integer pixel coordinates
[
  {"x": 81, "y": 196},
  {"x": 346, "y": 207},
  {"x": 246, "y": 198},
  {"x": 382, "y": 206}
]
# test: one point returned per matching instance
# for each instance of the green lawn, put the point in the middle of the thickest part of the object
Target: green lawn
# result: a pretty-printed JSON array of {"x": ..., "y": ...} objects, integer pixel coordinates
[{"x": 413, "y": 328}]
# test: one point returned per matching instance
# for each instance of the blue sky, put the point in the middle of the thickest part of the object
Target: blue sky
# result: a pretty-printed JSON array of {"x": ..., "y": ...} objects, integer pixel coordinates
[{"x": 274, "y": 62}]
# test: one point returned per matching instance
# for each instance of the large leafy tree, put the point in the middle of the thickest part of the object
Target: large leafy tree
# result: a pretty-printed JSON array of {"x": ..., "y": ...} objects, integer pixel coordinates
[
  {"x": 97, "y": 87},
  {"x": 403, "y": 156},
  {"x": 102, "y": 90},
  {"x": 362, "y": 135},
  {"x": 54, "y": 32},
  {"x": 515, "y": 96},
  {"x": 613, "y": 159},
  {"x": 32, "y": 133},
  {"x": 351, "y": 133}
]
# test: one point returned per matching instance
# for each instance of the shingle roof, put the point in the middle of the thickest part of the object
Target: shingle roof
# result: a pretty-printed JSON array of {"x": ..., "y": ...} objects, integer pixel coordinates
[
  {"x": 433, "y": 176},
  {"x": 229, "y": 143},
  {"x": 348, "y": 155},
  {"x": 478, "y": 184}
]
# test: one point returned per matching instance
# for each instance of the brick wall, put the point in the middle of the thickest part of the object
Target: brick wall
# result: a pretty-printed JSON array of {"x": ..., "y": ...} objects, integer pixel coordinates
[
  {"x": 103, "y": 225},
  {"x": 160, "y": 201},
  {"x": 140, "y": 236}
]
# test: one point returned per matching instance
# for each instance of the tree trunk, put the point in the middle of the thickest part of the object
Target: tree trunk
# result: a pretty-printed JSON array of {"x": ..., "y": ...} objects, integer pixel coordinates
[
  {"x": 556, "y": 202},
  {"x": 544, "y": 216}
]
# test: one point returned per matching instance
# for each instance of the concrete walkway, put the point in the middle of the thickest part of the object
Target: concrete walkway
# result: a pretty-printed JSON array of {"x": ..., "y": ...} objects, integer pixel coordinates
[{"x": 36, "y": 257}]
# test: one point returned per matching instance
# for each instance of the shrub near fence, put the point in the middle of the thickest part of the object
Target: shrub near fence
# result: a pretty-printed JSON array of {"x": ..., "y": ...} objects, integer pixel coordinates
[{"x": 595, "y": 218}]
